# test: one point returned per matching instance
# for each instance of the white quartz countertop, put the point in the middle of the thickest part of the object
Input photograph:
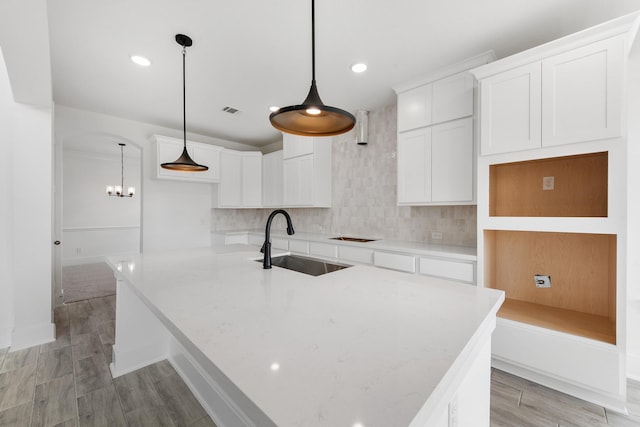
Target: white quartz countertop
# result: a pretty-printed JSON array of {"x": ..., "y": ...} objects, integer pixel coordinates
[
  {"x": 359, "y": 345},
  {"x": 465, "y": 253}
]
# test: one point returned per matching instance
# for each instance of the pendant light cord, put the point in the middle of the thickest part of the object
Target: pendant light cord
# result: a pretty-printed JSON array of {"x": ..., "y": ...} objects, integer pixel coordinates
[
  {"x": 122, "y": 168},
  {"x": 313, "y": 41},
  {"x": 184, "y": 98}
]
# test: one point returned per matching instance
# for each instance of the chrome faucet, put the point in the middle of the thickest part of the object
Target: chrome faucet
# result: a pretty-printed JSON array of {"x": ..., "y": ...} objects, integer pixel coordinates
[{"x": 266, "y": 247}]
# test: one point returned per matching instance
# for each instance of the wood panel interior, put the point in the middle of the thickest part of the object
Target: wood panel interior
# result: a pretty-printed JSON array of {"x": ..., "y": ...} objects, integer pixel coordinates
[
  {"x": 583, "y": 278},
  {"x": 580, "y": 187}
]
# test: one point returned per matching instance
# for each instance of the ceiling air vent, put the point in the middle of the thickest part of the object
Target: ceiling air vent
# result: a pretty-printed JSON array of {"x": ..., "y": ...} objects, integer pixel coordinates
[{"x": 230, "y": 110}]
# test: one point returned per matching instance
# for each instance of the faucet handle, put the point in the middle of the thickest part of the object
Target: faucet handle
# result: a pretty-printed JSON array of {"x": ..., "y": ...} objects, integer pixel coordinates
[{"x": 262, "y": 248}]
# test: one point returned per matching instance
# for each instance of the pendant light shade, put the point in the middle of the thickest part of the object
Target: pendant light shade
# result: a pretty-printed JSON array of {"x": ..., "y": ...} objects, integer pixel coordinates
[
  {"x": 184, "y": 163},
  {"x": 312, "y": 117}
]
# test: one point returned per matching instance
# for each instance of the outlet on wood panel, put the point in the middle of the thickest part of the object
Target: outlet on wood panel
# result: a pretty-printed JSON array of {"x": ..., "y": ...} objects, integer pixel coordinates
[
  {"x": 542, "y": 281},
  {"x": 436, "y": 235}
]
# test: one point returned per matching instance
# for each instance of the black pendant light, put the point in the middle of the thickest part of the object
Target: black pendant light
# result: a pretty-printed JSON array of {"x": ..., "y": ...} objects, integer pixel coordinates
[
  {"x": 184, "y": 163},
  {"x": 312, "y": 117}
]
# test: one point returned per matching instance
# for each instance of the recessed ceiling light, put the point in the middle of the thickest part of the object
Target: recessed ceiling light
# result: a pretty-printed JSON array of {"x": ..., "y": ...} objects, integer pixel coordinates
[
  {"x": 140, "y": 60},
  {"x": 273, "y": 108},
  {"x": 360, "y": 67}
]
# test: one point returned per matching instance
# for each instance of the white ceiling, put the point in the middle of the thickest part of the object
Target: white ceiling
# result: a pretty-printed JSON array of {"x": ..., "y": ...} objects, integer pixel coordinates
[{"x": 253, "y": 54}]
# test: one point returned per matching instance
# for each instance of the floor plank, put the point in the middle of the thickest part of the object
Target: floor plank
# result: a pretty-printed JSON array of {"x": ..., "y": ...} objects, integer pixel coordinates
[
  {"x": 63, "y": 330},
  {"x": 149, "y": 416},
  {"x": 136, "y": 390},
  {"x": 91, "y": 373},
  {"x": 101, "y": 408},
  {"x": 204, "y": 422},
  {"x": 55, "y": 402},
  {"x": 107, "y": 332},
  {"x": 85, "y": 345},
  {"x": 80, "y": 318},
  {"x": 633, "y": 397},
  {"x": 17, "y": 386},
  {"x": 54, "y": 364},
  {"x": 18, "y": 416},
  {"x": 618, "y": 420},
  {"x": 20, "y": 358},
  {"x": 180, "y": 403},
  {"x": 159, "y": 370}
]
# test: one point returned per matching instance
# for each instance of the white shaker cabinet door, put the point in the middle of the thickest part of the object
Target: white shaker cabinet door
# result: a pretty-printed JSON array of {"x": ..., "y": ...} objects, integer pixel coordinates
[
  {"x": 582, "y": 93},
  {"x": 510, "y": 114},
  {"x": 453, "y": 97},
  {"x": 414, "y": 108},
  {"x": 414, "y": 166},
  {"x": 298, "y": 175},
  {"x": 452, "y": 161},
  {"x": 230, "y": 179},
  {"x": 252, "y": 179},
  {"x": 272, "y": 179}
]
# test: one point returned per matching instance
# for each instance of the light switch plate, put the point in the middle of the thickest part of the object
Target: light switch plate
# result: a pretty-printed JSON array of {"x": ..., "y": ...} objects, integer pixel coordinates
[{"x": 548, "y": 182}]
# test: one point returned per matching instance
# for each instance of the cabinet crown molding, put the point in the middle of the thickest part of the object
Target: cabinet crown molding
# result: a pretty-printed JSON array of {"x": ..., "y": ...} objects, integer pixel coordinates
[
  {"x": 441, "y": 73},
  {"x": 626, "y": 25}
]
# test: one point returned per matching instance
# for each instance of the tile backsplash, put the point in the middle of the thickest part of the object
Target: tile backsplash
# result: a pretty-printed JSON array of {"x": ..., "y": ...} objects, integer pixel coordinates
[{"x": 364, "y": 198}]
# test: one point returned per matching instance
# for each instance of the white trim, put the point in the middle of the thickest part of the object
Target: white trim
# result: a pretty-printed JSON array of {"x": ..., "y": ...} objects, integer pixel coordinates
[
  {"x": 32, "y": 335},
  {"x": 5, "y": 337},
  {"x": 136, "y": 358},
  {"x": 101, "y": 228},
  {"x": 633, "y": 367}
]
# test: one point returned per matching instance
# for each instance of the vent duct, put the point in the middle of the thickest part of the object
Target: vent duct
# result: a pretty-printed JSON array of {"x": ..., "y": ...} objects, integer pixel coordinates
[
  {"x": 362, "y": 127},
  {"x": 230, "y": 110}
]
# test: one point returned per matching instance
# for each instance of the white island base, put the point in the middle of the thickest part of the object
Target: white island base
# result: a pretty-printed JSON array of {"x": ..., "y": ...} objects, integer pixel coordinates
[{"x": 357, "y": 347}]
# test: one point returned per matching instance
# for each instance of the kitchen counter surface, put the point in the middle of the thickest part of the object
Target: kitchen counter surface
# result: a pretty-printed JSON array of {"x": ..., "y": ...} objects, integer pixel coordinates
[
  {"x": 359, "y": 345},
  {"x": 465, "y": 253}
]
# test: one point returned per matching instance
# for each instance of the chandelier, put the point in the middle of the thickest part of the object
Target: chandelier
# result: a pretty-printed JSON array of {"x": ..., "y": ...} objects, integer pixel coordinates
[{"x": 117, "y": 190}]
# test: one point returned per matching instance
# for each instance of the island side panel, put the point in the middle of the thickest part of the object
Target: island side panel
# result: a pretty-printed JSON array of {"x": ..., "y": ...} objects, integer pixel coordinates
[{"x": 141, "y": 339}]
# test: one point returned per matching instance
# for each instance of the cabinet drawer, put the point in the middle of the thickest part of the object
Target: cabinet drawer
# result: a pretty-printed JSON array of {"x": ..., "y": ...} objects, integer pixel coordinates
[
  {"x": 348, "y": 253},
  {"x": 395, "y": 261},
  {"x": 299, "y": 246},
  {"x": 323, "y": 249},
  {"x": 282, "y": 244},
  {"x": 455, "y": 270}
]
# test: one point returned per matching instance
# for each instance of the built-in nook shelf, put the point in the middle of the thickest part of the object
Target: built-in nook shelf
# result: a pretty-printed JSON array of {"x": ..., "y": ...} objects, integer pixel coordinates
[
  {"x": 571, "y": 186},
  {"x": 582, "y": 266}
]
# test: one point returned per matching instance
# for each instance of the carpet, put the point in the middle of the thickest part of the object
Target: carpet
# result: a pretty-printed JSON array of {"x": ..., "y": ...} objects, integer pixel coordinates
[{"x": 86, "y": 281}]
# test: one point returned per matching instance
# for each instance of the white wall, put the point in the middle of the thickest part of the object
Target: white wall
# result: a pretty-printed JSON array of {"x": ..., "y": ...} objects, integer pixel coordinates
[
  {"x": 175, "y": 215},
  {"x": 26, "y": 175},
  {"x": 6, "y": 207},
  {"x": 96, "y": 225}
]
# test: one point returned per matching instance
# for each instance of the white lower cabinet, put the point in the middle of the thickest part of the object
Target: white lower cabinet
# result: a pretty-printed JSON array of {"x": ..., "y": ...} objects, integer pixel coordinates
[
  {"x": 299, "y": 246},
  {"x": 448, "y": 269},
  {"x": 353, "y": 254},
  {"x": 323, "y": 250},
  {"x": 398, "y": 262}
]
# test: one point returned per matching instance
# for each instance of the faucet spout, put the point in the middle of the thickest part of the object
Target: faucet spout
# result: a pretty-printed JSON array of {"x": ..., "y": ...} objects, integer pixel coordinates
[{"x": 266, "y": 247}]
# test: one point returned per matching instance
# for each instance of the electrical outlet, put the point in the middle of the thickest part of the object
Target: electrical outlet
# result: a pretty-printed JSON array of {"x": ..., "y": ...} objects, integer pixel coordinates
[
  {"x": 542, "y": 281},
  {"x": 78, "y": 251},
  {"x": 548, "y": 182},
  {"x": 436, "y": 235}
]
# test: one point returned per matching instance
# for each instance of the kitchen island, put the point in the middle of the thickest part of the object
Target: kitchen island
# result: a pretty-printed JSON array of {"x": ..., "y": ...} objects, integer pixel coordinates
[{"x": 358, "y": 347}]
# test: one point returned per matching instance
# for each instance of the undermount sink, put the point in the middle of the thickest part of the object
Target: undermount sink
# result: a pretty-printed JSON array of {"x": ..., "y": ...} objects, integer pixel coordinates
[
  {"x": 353, "y": 239},
  {"x": 311, "y": 266}
]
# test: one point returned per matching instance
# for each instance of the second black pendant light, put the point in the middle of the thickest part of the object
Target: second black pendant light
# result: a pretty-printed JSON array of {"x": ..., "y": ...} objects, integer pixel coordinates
[
  {"x": 312, "y": 117},
  {"x": 184, "y": 163}
]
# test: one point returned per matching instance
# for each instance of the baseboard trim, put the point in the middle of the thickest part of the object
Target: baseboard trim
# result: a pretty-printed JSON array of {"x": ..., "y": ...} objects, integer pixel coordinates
[
  {"x": 615, "y": 403},
  {"x": 633, "y": 367},
  {"x": 30, "y": 336}
]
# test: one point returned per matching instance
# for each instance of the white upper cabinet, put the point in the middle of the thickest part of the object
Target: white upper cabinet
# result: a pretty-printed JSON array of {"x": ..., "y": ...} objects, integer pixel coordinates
[
  {"x": 553, "y": 99},
  {"x": 510, "y": 105},
  {"x": 241, "y": 180},
  {"x": 167, "y": 149},
  {"x": 452, "y": 165},
  {"x": 436, "y": 143},
  {"x": 414, "y": 108},
  {"x": 453, "y": 97},
  {"x": 414, "y": 166},
  {"x": 582, "y": 93},
  {"x": 272, "y": 183},
  {"x": 307, "y": 173}
]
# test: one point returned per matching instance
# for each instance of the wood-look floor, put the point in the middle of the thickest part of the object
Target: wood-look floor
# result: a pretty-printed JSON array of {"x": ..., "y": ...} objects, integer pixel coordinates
[{"x": 68, "y": 383}]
